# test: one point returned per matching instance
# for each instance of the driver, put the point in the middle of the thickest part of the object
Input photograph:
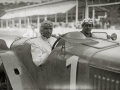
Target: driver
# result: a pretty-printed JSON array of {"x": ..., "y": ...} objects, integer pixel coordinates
[
  {"x": 41, "y": 46},
  {"x": 87, "y": 26}
]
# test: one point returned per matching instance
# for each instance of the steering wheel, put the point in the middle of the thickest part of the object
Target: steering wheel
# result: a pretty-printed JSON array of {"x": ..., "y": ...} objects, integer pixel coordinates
[
  {"x": 76, "y": 35},
  {"x": 57, "y": 41}
]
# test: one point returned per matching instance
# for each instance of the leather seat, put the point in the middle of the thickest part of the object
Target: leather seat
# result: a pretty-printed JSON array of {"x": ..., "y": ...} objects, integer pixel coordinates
[{"x": 3, "y": 45}]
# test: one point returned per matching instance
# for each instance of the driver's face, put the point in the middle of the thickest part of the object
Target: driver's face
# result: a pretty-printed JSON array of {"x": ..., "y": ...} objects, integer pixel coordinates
[
  {"x": 47, "y": 32},
  {"x": 87, "y": 27}
]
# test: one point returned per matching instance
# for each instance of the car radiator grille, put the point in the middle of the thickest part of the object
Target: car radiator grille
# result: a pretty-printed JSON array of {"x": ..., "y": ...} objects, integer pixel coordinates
[{"x": 104, "y": 80}]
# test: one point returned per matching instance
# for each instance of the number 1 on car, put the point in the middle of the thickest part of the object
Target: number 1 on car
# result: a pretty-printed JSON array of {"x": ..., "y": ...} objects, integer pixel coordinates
[{"x": 73, "y": 61}]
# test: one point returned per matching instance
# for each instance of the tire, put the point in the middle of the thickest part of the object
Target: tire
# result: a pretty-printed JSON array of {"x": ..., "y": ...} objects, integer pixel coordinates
[{"x": 4, "y": 81}]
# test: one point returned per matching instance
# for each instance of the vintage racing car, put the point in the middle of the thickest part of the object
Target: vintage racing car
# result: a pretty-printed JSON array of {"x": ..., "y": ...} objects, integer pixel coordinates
[{"x": 75, "y": 63}]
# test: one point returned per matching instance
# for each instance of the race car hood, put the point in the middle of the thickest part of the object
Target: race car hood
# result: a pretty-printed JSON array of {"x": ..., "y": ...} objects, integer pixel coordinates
[
  {"x": 99, "y": 53},
  {"x": 107, "y": 59}
]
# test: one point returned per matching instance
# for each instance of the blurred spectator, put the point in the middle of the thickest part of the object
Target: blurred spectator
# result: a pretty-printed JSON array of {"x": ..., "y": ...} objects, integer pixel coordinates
[
  {"x": 105, "y": 25},
  {"x": 101, "y": 25},
  {"x": 31, "y": 32},
  {"x": 108, "y": 24}
]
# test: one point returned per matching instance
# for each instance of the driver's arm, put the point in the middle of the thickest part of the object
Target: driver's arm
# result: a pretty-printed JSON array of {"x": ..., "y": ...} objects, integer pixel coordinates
[{"x": 38, "y": 56}]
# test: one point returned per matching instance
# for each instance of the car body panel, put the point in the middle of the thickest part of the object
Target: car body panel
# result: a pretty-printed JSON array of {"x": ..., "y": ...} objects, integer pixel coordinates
[
  {"x": 16, "y": 72},
  {"x": 74, "y": 63},
  {"x": 108, "y": 59}
]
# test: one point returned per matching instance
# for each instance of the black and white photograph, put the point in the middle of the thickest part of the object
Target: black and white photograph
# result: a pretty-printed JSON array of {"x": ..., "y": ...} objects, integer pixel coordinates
[{"x": 59, "y": 44}]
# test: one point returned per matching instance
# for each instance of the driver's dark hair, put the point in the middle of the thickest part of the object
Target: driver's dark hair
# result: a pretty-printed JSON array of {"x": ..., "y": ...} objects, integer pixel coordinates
[{"x": 87, "y": 22}]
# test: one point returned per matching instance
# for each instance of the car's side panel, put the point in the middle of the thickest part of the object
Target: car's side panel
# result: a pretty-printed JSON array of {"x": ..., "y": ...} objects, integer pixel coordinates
[
  {"x": 53, "y": 74},
  {"x": 16, "y": 72},
  {"x": 56, "y": 73},
  {"x": 24, "y": 54}
]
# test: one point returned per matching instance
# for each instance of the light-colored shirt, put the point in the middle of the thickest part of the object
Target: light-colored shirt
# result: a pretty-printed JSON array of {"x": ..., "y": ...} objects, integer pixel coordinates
[{"x": 41, "y": 48}]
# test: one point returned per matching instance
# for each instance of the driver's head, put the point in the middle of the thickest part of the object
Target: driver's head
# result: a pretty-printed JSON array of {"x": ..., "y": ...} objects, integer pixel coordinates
[
  {"x": 87, "y": 25},
  {"x": 46, "y": 28}
]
